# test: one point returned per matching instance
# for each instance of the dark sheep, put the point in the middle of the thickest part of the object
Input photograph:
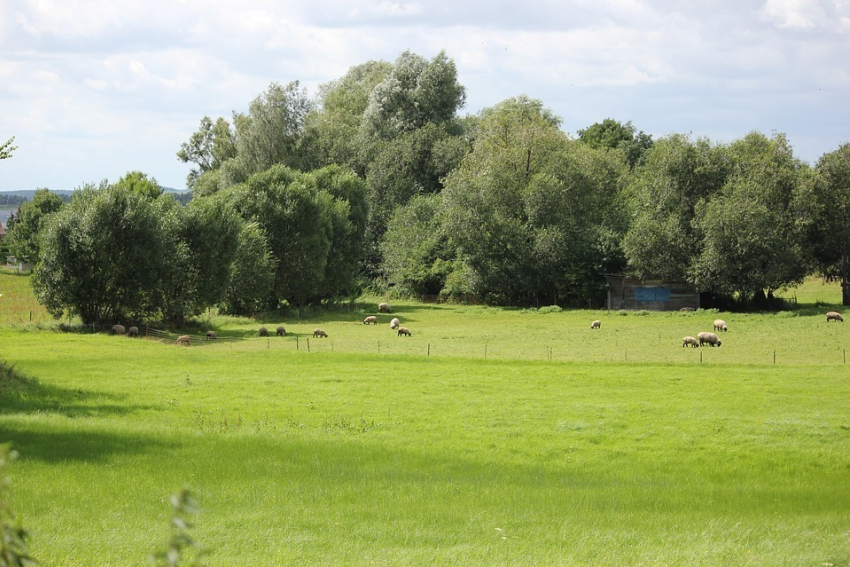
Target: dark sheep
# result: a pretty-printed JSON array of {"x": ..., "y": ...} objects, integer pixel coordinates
[
  {"x": 708, "y": 339},
  {"x": 264, "y": 332},
  {"x": 384, "y": 308},
  {"x": 319, "y": 333},
  {"x": 370, "y": 320},
  {"x": 117, "y": 329},
  {"x": 211, "y": 335},
  {"x": 834, "y": 316},
  {"x": 404, "y": 332},
  {"x": 133, "y": 332},
  {"x": 281, "y": 332}
]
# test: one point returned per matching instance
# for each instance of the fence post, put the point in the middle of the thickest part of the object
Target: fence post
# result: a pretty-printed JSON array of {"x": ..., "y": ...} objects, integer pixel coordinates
[
  {"x": 308, "y": 345},
  {"x": 429, "y": 349}
]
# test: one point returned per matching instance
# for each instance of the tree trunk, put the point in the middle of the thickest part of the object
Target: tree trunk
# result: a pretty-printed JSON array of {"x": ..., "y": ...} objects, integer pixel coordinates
[{"x": 845, "y": 291}]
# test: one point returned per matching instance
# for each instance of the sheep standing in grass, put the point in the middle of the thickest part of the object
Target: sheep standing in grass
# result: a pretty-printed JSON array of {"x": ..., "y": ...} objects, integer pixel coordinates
[
  {"x": 404, "y": 332},
  {"x": 281, "y": 332},
  {"x": 371, "y": 319},
  {"x": 183, "y": 340},
  {"x": 117, "y": 329},
  {"x": 319, "y": 333},
  {"x": 596, "y": 325},
  {"x": 690, "y": 341},
  {"x": 384, "y": 308},
  {"x": 708, "y": 339},
  {"x": 395, "y": 323},
  {"x": 834, "y": 316},
  {"x": 720, "y": 325},
  {"x": 264, "y": 332},
  {"x": 133, "y": 332},
  {"x": 211, "y": 335}
]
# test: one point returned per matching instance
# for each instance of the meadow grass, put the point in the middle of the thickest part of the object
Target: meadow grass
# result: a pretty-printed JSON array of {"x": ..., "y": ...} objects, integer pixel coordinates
[{"x": 551, "y": 450}]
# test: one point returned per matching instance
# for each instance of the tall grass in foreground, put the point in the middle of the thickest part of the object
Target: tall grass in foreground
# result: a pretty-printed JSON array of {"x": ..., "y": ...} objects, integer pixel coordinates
[{"x": 329, "y": 458}]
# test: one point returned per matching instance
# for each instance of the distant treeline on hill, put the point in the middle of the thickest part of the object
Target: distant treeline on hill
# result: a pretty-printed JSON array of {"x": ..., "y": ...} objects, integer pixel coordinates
[{"x": 20, "y": 197}]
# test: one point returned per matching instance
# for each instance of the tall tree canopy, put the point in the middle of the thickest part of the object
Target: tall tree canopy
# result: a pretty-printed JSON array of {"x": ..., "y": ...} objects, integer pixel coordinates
[
  {"x": 527, "y": 208},
  {"x": 829, "y": 232},
  {"x": 751, "y": 229},
  {"x": 679, "y": 174}
]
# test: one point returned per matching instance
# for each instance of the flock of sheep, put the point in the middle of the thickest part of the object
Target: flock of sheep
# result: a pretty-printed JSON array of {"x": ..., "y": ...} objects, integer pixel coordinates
[
  {"x": 702, "y": 339},
  {"x": 395, "y": 324},
  {"x": 711, "y": 339}
]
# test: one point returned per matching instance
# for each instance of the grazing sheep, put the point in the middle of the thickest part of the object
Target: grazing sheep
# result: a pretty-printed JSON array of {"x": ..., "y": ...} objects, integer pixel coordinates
[
  {"x": 370, "y": 319},
  {"x": 281, "y": 332},
  {"x": 404, "y": 332},
  {"x": 708, "y": 339},
  {"x": 834, "y": 316},
  {"x": 690, "y": 341},
  {"x": 183, "y": 340},
  {"x": 264, "y": 332},
  {"x": 720, "y": 325},
  {"x": 319, "y": 333},
  {"x": 687, "y": 309},
  {"x": 117, "y": 329},
  {"x": 596, "y": 325},
  {"x": 133, "y": 332},
  {"x": 384, "y": 308},
  {"x": 211, "y": 335},
  {"x": 395, "y": 323}
]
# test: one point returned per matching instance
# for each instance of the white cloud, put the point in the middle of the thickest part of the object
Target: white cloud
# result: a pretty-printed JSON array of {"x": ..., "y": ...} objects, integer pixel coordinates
[{"x": 793, "y": 14}]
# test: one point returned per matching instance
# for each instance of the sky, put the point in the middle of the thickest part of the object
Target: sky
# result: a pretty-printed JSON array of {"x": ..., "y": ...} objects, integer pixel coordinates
[{"x": 93, "y": 89}]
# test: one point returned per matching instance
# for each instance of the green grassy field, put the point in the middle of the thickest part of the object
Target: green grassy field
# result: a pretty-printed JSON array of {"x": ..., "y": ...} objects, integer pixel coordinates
[{"x": 521, "y": 438}]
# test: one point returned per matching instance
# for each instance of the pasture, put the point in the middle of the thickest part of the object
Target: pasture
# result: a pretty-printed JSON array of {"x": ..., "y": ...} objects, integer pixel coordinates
[{"x": 489, "y": 437}]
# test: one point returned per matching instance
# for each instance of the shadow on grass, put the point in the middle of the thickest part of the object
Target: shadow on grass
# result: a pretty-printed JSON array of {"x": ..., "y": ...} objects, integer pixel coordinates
[
  {"x": 23, "y": 394},
  {"x": 74, "y": 445}
]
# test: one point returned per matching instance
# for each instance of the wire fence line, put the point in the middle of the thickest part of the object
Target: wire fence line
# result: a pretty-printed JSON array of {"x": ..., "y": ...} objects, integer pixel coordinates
[{"x": 557, "y": 351}]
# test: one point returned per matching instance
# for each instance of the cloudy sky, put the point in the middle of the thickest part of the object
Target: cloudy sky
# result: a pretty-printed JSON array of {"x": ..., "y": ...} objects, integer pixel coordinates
[{"x": 93, "y": 89}]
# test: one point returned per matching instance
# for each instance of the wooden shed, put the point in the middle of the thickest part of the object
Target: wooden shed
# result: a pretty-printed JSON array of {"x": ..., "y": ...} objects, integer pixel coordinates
[{"x": 650, "y": 294}]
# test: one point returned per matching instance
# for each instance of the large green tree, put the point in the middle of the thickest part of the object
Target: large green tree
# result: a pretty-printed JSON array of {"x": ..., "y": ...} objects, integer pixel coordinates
[
  {"x": 314, "y": 223},
  {"x": 22, "y": 239},
  {"x": 828, "y": 236},
  {"x": 533, "y": 213},
  {"x": 201, "y": 246},
  {"x": 752, "y": 240},
  {"x": 270, "y": 132},
  {"x": 418, "y": 255},
  {"x": 416, "y": 92},
  {"x": 101, "y": 257},
  {"x": 612, "y": 134},
  {"x": 208, "y": 148},
  {"x": 680, "y": 174}
]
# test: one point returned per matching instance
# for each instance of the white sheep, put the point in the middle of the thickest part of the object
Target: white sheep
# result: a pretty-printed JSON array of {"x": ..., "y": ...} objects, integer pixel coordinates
[
  {"x": 720, "y": 325},
  {"x": 370, "y": 320},
  {"x": 690, "y": 341},
  {"x": 708, "y": 339},
  {"x": 834, "y": 316},
  {"x": 384, "y": 308},
  {"x": 404, "y": 332},
  {"x": 596, "y": 325},
  {"x": 395, "y": 323}
]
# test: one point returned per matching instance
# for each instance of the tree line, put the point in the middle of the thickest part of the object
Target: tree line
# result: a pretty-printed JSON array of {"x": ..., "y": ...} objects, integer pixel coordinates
[{"x": 377, "y": 182}]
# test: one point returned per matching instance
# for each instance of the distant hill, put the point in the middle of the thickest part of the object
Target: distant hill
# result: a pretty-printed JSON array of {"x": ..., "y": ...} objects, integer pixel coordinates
[{"x": 13, "y": 199}]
